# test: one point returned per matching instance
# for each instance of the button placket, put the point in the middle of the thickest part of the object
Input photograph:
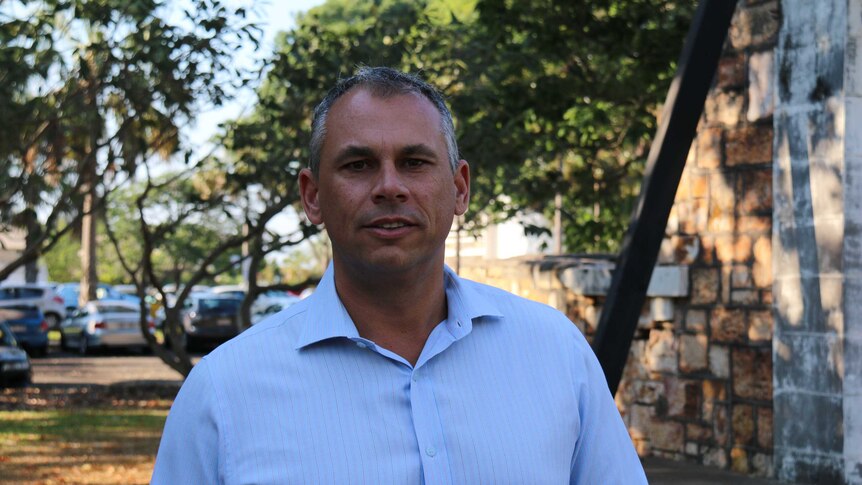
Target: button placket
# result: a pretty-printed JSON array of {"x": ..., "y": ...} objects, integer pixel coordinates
[{"x": 429, "y": 430}]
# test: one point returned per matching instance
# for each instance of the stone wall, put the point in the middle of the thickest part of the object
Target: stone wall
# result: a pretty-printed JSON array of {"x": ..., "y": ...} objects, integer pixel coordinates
[{"x": 699, "y": 387}]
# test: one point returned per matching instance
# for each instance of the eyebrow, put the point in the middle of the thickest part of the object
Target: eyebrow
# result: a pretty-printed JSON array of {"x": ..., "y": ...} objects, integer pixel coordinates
[{"x": 418, "y": 149}]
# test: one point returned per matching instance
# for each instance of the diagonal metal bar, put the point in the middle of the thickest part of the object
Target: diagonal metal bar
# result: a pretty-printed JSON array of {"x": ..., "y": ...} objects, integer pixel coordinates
[{"x": 666, "y": 160}]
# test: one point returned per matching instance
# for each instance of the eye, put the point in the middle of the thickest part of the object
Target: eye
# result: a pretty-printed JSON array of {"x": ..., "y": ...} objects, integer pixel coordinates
[
  {"x": 356, "y": 165},
  {"x": 414, "y": 163}
]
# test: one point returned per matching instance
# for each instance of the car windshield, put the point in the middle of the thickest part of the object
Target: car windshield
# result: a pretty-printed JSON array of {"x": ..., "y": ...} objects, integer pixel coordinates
[{"x": 218, "y": 305}]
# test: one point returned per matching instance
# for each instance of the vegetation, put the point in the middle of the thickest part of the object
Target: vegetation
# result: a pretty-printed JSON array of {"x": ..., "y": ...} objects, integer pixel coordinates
[{"x": 551, "y": 98}]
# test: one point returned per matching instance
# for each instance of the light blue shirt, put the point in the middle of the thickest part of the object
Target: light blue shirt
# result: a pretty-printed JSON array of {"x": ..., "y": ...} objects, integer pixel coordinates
[{"x": 506, "y": 390}]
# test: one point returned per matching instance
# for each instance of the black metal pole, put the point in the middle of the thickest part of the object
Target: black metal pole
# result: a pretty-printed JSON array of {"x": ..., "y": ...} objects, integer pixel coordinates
[{"x": 666, "y": 160}]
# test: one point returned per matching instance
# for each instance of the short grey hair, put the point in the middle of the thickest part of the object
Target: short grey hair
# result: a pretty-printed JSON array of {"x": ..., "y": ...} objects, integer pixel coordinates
[{"x": 383, "y": 82}]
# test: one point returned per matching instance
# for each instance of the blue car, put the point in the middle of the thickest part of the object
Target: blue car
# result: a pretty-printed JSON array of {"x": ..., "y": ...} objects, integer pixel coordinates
[
  {"x": 29, "y": 326},
  {"x": 15, "y": 368}
]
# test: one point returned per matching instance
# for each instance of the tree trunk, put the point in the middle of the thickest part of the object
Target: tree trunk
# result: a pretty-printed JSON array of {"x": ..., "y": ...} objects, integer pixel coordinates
[
  {"x": 89, "y": 277},
  {"x": 33, "y": 238}
]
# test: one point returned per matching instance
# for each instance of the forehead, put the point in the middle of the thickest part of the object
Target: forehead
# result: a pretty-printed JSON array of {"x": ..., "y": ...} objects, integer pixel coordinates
[{"x": 361, "y": 116}]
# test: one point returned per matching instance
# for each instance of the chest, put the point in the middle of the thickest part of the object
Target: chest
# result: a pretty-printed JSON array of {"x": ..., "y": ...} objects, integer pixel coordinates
[{"x": 358, "y": 419}]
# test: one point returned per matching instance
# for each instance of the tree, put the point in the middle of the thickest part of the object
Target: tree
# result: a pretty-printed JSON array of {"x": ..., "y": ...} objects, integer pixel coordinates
[
  {"x": 568, "y": 92},
  {"x": 94, "y": 88}
]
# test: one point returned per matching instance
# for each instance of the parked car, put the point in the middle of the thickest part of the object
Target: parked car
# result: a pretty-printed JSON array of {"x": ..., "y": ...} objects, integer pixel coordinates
[
  {"x": 71, "y": 291},
  {"x": 209, "y": 319},
  {"x": 15, "y": 368},
  {"x": 104, "y": 323},
  {"x": 271, "y": 303},
  {"x": 40, "y": 295},
  {"x": 28, "y": 324}
]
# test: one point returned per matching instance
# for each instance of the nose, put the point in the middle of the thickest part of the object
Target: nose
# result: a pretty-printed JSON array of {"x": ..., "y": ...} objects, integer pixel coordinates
[{"x": 389, "y": 185}]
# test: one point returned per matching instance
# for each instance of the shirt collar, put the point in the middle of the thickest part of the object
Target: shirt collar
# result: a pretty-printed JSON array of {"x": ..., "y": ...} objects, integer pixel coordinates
[{"x": 327, "y": 318}]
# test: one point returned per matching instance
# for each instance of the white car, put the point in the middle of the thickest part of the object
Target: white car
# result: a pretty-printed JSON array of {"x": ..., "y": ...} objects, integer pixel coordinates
[
  {"x": 39, "y": 295},
  {"x": 105, "y": 323}
]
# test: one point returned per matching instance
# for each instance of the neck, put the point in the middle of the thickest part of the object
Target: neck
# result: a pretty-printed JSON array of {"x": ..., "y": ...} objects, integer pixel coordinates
[{"x": 395, "y": 311}]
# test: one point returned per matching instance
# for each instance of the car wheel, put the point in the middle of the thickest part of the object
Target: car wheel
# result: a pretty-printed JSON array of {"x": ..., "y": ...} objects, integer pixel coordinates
[
  {"x": 53, "y": 321},
  {"x": 83, "y": 344}
]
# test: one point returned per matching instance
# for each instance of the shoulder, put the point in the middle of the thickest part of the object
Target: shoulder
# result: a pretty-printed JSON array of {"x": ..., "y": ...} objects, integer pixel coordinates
[{"x": 275, "y": 334}]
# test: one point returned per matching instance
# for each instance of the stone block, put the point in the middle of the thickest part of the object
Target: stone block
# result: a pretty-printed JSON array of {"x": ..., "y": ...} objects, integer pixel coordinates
[
  {"x": 754, "y": 192},
  {"x": 759, "y": 224},
  {"x": 752, "y": 373},
  {"x": 762, "y": 267},
  {"x": 723, "y": 108},
  {"x": 715, "y": 457},
  {"x": 691, "y": 449},
  {"x": 725, "y": 284},
  {"x": 761, "y": 465},
  {"x": 699, "y": 186},
  {"x": 761, "y": 74},
  {"x": 764, "y": 428},
  {"x": 667, "y": 436},
  {"x": 739, "y": 460},
  {"x": 719, "y": 361},
  {"x": 721, "y": 192},
  {"x": 696, "y": 432},
  {"x": 744, "y": 297},
  {"x": 640, "y": 425},
  {"x": 754, "y": 26},
  {"x": 661, "y": 350},
  {"x": 730, "y": 249},
  {"x": 743, "y": 424},
  {"x": 748, "y": 145},
  {"x": 668, "y": 281},
  {"x": 682, "y": 250},
  {"x": 709, "y": 143},
  {"x": 704, "y": 285},
  {"x": 727, "y": 325},
  {"x": 740, "y": 277},
  {"x": 760, "y": 326},
  {"x": 731, "y": 71},
  {"x": 661, "y": 309},
  {"x": 695, "y": 321},
  {"x": 647, "y": 392},
  {"x": 693, "y": 353},
  {"x": 707, "y": 252}
]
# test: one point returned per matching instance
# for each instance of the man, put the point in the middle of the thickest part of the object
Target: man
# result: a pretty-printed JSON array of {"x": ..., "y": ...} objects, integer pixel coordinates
[{"x": 396, "y": 370}]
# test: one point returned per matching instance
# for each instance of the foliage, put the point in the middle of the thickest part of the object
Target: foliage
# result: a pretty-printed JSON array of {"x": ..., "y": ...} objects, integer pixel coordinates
[
  {"x": 568, "y": 92},
  {"x": 92, "y": 88}
]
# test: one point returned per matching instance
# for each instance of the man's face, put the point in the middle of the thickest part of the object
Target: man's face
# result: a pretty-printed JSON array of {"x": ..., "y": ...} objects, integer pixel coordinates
[{"x": 385, "y": 189}]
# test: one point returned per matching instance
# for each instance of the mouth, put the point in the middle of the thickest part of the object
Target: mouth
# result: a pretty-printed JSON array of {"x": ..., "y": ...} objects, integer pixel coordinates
[{"x": 390, "y": 227}]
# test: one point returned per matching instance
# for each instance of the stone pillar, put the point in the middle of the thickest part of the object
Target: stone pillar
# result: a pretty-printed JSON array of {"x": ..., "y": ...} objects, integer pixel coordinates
[{"x": 817, "y": 221}]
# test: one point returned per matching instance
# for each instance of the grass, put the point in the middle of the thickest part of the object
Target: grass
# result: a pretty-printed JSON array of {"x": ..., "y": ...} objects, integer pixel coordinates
[{"x": 87, "y": 446}]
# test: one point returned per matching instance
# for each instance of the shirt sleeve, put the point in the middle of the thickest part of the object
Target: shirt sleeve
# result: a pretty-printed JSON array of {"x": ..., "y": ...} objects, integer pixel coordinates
[
  {"x": 190, "y": 449},
  {"x": 604, "y": 452}
]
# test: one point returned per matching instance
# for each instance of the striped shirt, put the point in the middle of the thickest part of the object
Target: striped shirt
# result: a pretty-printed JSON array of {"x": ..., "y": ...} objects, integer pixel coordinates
[{"x": 505, "y": 391}]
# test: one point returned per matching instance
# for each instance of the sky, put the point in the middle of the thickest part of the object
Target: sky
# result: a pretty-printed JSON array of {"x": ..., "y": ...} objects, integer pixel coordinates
[{"x": 275, "y": 16}]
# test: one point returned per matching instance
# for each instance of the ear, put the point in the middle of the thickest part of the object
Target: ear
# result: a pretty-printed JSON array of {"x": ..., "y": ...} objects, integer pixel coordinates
[
  {"x": 308, "y": 192},
  {"x": 462, "y": 187}
]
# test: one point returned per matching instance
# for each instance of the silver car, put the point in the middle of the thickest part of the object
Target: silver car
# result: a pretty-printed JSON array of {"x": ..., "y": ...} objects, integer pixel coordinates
[{"x": 104, "y": 323}]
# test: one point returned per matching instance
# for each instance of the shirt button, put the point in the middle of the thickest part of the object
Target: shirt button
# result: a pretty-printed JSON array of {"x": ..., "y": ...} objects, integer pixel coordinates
[
  {"x": 361, "y": 345},
  {"x": 415, "y": 377},
  {"x": 430, "y": 451}
]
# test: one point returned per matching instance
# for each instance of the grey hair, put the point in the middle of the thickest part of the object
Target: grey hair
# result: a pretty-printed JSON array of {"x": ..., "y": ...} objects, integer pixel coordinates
[{"x": 383, "y": 82}]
